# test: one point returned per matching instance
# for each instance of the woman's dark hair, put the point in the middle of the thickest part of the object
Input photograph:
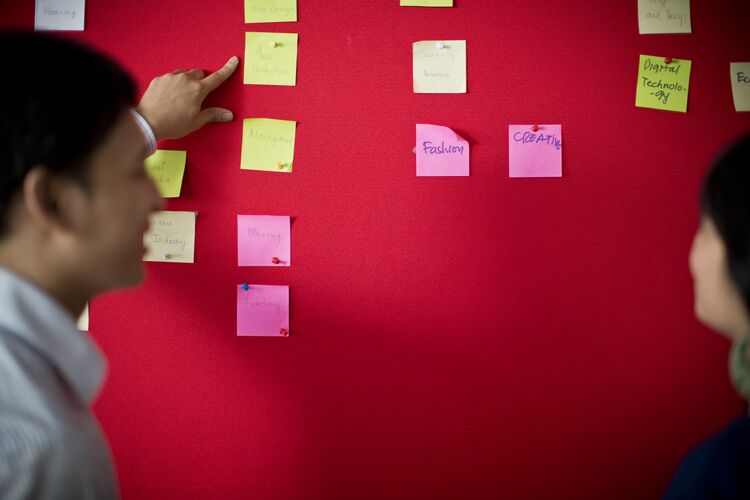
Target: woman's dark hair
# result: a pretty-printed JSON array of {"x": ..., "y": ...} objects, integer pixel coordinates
[
  {"x": 725, "y": 199},
  {"x": 60, "y": 99}
]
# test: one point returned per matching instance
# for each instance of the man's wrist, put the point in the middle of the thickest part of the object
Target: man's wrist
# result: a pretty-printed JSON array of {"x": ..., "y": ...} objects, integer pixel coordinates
[{"x": 149, "y": 134}]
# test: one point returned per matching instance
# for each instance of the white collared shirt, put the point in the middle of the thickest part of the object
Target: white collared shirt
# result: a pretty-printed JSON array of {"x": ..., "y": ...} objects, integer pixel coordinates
[{"x": 51, "y": 445}]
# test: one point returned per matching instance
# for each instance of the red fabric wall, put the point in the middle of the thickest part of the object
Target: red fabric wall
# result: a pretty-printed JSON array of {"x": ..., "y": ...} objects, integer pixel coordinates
[{"x": 450, "y": 338}]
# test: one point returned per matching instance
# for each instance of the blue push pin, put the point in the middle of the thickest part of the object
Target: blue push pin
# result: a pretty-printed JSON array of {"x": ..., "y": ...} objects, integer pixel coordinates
[{"x": 245, "y": 287}]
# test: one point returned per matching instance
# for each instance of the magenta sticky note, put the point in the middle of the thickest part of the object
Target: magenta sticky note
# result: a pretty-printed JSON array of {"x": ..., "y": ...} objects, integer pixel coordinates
[
  {"x": 263, "y": 240},
  {"x": 262, "y": 311},
  {"x": 535, "y": 151},
  {"x": 441, "y": 152}
]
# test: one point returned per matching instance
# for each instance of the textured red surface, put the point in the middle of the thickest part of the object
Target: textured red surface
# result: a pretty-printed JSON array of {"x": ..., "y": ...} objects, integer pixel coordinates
[{"x": 450, "y": 338}]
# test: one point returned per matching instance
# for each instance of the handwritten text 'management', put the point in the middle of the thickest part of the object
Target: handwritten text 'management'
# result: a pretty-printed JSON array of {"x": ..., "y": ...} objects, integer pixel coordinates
[{"x": 273, "y": 139}]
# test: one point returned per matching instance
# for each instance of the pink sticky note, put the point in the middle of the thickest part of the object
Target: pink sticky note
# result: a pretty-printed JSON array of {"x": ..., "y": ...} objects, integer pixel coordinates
[
  {"x": 263, "y": 240},
  {"x": 441, "y": 152},
  {"x": 262, "y": 311},
  {"x": 535, "y": 153}
]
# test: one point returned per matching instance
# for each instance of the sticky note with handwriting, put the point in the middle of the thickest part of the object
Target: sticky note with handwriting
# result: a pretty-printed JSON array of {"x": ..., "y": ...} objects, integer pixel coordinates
[
  {"x": 441, "y": 152},
  {"x": 263, "y": 240},
  {"x": 663, "y": 83},
  {"x": 740, "y": 73},
  {"x": 271, "y": 58},
  {"x": 535, "y": 150},
  {"x": 268, "y": 144},
  {"x": 270, "y": 11},
  {"x": 59, "y": 15},
  {"x": 167, "y": 168},
  {"x": 171, "y": 237},
  {"x": 439, "y": 67},
  {"x": 262, "y": 311},
  {"x": 663, "y": 16},
  {"x": 426, "y": 3}
]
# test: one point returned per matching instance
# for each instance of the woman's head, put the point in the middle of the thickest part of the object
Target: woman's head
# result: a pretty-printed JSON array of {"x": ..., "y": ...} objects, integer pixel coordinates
[{"x": 720, "y": 255}]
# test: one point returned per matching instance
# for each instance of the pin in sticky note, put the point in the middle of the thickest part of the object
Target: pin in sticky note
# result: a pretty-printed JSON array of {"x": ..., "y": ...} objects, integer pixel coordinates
[
  {"x": 263, "y": 240},
  {"x": 439, "y": 67},
  {"x": 83, "y": 319},
  {"x": 535, "y": 151},
  {"x": 271, "y": 58},
  {"x": 663, "y": 83},
  {"x": 167, "y": 168},
  {"x": 740, "y": 73},
  {"x": 268, "y": 144},
  {"x": 663, "y": 16},
  {"x": 426, "y": 3},
  {"x": 171, "y": 237},
  {"x": 262, "y": 311},
  {"x": 270, "y": 11},
  {"x": 59, "y": 15},
  {"x": 441, "y": 152}
]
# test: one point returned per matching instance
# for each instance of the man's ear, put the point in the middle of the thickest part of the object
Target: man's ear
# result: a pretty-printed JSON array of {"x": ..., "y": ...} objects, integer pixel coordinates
[{"x": 50, "y": 200}]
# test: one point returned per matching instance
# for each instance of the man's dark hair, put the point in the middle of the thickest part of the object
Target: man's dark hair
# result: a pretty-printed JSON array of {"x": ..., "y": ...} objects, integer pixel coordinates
[
  {"x": 60, "y": 100},
  {"x": 725, "y": 199}
]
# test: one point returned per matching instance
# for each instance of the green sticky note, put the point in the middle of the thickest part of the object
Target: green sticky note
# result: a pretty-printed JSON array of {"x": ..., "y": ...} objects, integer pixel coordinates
[
  {"x": 662, "y": 85},
  {"x": 270, "y": 11},
  {"x": 268, "y": 144},
  {"x": 426, "y": 3},
  {"x": 167, "y": 168},
  {"x": 271, "y": 58}
]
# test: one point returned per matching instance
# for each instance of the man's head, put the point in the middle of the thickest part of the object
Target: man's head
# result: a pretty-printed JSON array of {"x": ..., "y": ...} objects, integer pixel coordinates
[
  {"x": 74, "y": 193},
  {"x": 720, "y": 256}
]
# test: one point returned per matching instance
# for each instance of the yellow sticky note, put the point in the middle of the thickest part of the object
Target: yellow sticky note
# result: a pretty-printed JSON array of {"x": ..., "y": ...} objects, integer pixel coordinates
[
  {"x": 171, "y": 237},
  {"x": 664, "y": 16},
  {"x": 268, "y": 144},
  {"x": 662, "y": 85},
  {"x": 270, "y": 11},
  {"x": 426, "y": 3},
  {"x": 83, "y": 319},
  {"x": 439, "y": 67},
  {"x": 271, "y": 58},
  {"x": 167, "y": 168},
  {"x": 740, "y": 73}
]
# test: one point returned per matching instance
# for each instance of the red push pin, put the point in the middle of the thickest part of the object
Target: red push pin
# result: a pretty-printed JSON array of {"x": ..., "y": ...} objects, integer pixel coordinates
[
  {"x": 535, "y": 128},
  {"x": 276, "y": 260},
  {"x": 284, "y": 332},
  {"x": 667, "y": 60}
]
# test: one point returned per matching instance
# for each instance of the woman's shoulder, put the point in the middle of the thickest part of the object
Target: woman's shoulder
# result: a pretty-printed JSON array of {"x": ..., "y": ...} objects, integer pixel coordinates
[{"x": 718, "y": 468}]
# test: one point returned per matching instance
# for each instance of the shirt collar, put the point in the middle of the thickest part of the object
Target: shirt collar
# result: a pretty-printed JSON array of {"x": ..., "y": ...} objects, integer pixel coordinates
[{"x": 36, "y": 318}]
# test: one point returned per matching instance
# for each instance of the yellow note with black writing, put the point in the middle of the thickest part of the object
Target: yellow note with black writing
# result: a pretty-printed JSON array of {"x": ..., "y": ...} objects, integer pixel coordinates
[
  {"x": 268, "y": 144},
  {"x": 271, "y": 58},
  {"x": 270, "y": 11},
  {"x": 167, "y": 168},
  {"x": 426, "y": 3},
  {"x": 663, "y": 83}
]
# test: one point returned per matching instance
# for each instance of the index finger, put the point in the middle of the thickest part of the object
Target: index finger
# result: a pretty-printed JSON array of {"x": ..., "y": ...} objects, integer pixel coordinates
[{"x": 212, "y": 81}]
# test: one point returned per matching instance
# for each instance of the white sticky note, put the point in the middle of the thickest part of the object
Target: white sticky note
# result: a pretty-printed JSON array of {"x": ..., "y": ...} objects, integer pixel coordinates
[
  {"x": 740, "y": 72},
  {"x": 83, "y": 320},
  {"x": 439, "y": 67},
  {"x": 59, "y": 15},
  {"x": 664, "y": 16},
  {"x": 171, "y": 237}
]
